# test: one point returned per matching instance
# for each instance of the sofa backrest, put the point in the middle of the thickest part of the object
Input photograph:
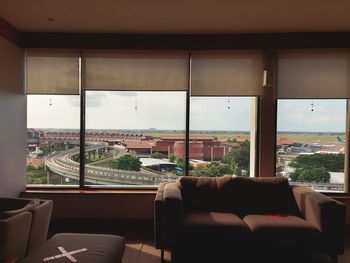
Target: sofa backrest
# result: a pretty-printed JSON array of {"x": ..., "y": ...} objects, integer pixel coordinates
[
  {"x": 41, "y": 216},
  {"x": 264, "y": 195},
  {"x": 207, "y": 193},
  {"x": 241, "y": 195}
]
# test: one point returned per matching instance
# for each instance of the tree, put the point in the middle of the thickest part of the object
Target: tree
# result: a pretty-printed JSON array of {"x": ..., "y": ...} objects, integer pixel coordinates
[
  {"x": 172, "y": 158},
  {"x": 213, "y": 169},
  {"x": 157, "y": 155},
  {"x": 310, "y": 175},
  {"x": 239, "y": 158},
  {"x": 180, "y": 163},
  {"x": 127, "y": 162},
  {"x": 330, "y": 162}
]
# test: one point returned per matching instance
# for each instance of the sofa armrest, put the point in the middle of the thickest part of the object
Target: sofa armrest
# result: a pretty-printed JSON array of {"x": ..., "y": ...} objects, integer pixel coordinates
[
  {"x": 325, "y": 213},
  {"x": 14, "y": 234},
  {"x": 168, "y": 214}
]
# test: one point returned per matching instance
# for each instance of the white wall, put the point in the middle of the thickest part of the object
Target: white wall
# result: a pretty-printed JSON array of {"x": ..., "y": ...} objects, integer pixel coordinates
[{"x": 12, "y": 119}]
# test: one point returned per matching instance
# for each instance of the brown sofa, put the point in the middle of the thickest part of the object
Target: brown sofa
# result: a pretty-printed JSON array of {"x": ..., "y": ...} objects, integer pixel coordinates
[{"x": 248, "y": 218}]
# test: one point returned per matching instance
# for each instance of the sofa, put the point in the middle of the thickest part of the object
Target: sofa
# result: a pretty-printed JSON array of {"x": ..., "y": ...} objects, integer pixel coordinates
[{"x": 248, "y": 219}]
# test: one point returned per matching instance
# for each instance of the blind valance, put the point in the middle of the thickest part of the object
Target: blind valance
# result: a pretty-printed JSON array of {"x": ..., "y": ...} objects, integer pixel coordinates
[
  {"x": 318, "y": 74},
  {"x": 52, "y": 72},
  {"x": 237, "y": 73},
  {"x": 139, "y": 71}
]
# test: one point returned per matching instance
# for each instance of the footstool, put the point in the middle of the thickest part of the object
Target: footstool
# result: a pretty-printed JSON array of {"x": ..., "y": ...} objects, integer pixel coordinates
[{"x": 84, "y": 248}]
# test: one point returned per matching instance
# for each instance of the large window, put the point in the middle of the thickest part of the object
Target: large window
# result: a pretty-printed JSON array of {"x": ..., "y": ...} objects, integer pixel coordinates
[
  {"x": 53, "y": 139},
  {"x": 141, "y": 112}
]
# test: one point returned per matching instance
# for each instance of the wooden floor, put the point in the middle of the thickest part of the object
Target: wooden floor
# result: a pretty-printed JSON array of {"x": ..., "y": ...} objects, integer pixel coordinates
[
  {"x": 143, "y": 252},
  {"x": 139, "y": 235},
  {"x": 146, "y": 253}
]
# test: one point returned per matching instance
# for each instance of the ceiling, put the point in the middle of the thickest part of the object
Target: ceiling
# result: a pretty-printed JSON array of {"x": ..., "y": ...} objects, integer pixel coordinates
[{"x": 177, "y": 16}]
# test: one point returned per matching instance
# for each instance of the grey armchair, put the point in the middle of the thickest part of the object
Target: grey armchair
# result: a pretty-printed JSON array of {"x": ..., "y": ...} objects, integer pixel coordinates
[{"x": 23, "y": 226}]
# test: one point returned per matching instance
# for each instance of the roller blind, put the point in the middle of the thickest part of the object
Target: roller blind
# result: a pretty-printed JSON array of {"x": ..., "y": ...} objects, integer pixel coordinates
[
  {"x": 144, "y": 71},
  {"x": 318, "y": 74},
  {"x": 52, "y": 72},
  {"x": 226, "y": 74}
]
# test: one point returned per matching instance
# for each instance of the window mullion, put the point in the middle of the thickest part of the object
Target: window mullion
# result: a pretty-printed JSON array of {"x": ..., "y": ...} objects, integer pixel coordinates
[
  {"x": 188, "y": 97},
  {"x": 82, "y": 123}
]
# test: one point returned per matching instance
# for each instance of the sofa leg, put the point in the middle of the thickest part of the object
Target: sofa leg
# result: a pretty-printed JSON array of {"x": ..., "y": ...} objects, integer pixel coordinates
[
  {"x": 162, "y": 255},
  {"x": 334, "y": 258},
  {"x": 172, "y": 256}
]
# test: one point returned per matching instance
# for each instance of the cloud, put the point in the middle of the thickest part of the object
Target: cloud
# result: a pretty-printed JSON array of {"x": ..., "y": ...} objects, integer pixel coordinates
[
  {"x": 124, "y": 93},
  {"x": 95, "y": 99},
  {"x": 73, "y": 101},
  {"x": 299, "y": 115}
]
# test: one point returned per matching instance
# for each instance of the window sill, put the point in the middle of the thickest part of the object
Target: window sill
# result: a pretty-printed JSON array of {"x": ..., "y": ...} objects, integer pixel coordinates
[{"x": 90, "y": 191}]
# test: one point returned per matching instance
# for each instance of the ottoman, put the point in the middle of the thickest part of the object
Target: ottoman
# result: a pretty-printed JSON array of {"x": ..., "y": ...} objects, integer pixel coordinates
[{"x": 84, "y": 248}]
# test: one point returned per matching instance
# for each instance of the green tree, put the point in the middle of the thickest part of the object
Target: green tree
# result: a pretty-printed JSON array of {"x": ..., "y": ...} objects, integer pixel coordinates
[
  {"x": 157, "y": 155},
  {"x": 310, "y": 174},
  {"x": 330, "y": 162},
  {"x": 180, "y": 163},
  {"x": 212, "y": 170},
  {"x": 127, "y": 162},
  {"x": 172, "y": 158},
  {"x": 30, "y": 168},
  {"x": 239, "y": 158}
]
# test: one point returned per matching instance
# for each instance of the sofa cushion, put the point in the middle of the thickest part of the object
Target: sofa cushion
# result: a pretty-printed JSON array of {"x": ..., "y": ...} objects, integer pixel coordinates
[
  {"x": 282, "y": 229},
  {"x": 269, "y": 195},
  {"x": 28, "y": 207},
  {"x": 214, "y": 226},
  {"x": 207, "y": 193}
]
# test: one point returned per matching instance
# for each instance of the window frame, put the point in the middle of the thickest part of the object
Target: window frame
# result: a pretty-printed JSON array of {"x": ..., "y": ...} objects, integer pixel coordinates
[{"x": 266, "y": 104}]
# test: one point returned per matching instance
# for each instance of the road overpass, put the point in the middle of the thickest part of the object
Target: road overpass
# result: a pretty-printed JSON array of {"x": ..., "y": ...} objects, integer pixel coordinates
[{"x": 63, "y": 164}]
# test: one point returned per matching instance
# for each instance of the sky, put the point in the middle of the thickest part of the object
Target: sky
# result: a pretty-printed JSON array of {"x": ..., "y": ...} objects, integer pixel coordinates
[
  {"x": 166, "y": 111},
  {"x": 297, "y": 115}
]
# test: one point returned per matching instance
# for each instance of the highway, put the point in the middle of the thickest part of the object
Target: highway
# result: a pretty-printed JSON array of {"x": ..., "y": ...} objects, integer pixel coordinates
[{"x": 63, "y": 164}]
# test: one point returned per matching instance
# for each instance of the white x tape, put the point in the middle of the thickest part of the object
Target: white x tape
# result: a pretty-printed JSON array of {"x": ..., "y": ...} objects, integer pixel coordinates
[{"x": 66, "y": 254}]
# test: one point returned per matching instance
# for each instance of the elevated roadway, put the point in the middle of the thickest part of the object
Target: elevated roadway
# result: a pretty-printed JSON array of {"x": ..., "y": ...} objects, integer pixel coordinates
[{"x": 63, "y": 164}]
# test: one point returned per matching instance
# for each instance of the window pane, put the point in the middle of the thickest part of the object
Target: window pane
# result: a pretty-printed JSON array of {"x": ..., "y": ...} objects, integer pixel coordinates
[
  {"x": 311, "y": 142},
  {"x": 53, "y": 139},
  {"x": 222, "y": 136},
  {"x": 131, "y": 137}
]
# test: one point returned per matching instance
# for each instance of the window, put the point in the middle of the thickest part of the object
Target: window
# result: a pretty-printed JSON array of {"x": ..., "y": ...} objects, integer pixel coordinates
[
  {"x": 53, "y": 117},
  {"x": 312, "y": 117},
  {"x": 224, "y": 87}
]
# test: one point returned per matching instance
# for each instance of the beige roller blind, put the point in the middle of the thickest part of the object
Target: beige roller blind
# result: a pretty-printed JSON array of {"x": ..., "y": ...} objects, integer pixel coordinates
[
  {"x": 318, "y": 74},
  {"x": 52, "y": 72},
  {"x": 238, "y": 73},
  {"x": 143, "y": 71}
]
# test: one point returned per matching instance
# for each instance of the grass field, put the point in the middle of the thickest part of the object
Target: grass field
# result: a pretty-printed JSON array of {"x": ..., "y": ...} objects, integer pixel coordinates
[{"x": 311, "y": 138}]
